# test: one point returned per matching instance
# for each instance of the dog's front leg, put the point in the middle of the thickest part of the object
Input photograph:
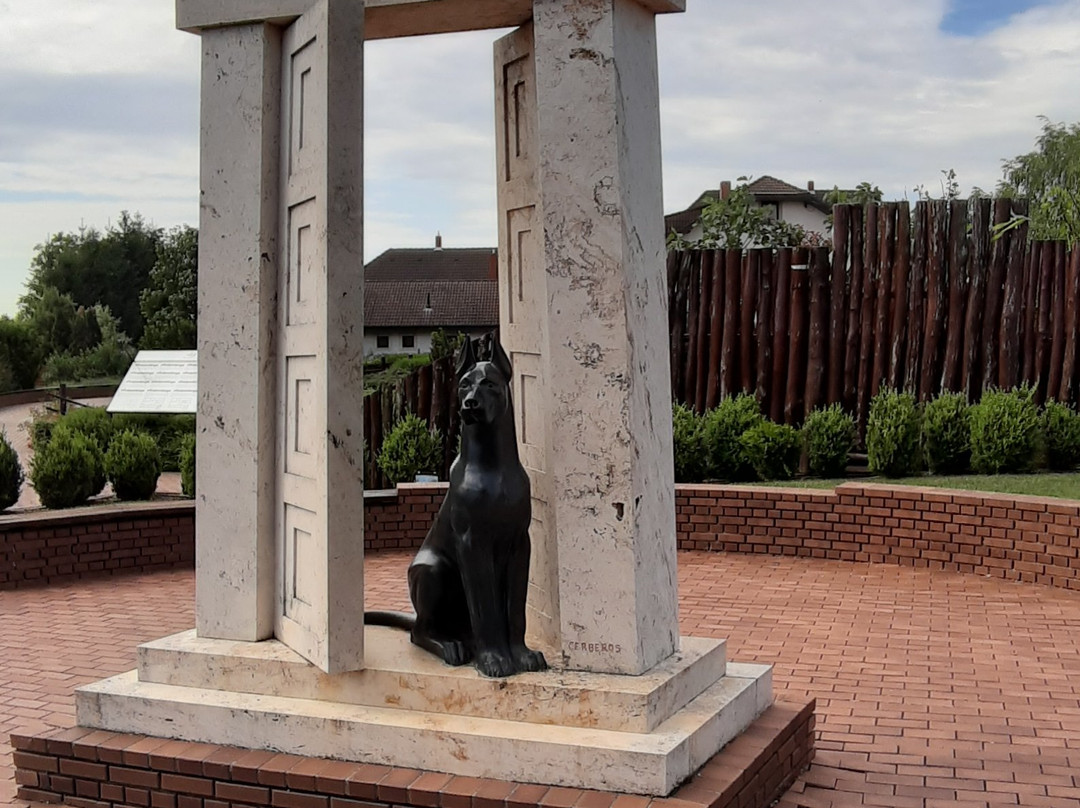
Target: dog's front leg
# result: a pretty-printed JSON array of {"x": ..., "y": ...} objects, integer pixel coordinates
[
  {"x": 525, "y": 659},
  {"x": 487, "y": 610}
]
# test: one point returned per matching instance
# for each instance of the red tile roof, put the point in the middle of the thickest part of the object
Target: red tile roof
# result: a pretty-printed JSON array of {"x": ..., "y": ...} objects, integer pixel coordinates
[{"x": 432, "y": 288}]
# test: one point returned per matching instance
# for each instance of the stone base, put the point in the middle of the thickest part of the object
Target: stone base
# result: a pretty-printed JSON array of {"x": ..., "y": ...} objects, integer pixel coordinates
[
  {"x": 641, "y": 735},
  {"x": 94, "y": 769}
]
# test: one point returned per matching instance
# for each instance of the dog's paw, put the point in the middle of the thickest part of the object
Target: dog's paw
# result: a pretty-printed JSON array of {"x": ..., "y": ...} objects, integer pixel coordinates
[
  {"x": 455, "y": 652},
  {"x": 526, "y": 659},
  {"x": 494, "y": 664}
]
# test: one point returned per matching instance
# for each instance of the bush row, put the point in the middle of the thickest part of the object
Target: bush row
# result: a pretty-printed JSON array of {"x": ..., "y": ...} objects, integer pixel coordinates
[
  {"x": 76, "y": 454},
  {"x": 736, "y": 443},
  {"x": 1005, "y": 432}
]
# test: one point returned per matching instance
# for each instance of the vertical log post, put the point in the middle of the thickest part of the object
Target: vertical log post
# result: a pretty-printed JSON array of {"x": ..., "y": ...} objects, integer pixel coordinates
[
  {"x": 995, "y": 294},
  {"x": 766, "y": 295},
  {"x": 901, "y": 278},
  {"x": 781, "y": 340},
  {"x": 748, "y": 306},
  {"x": 838, "y": 302},
  {"x": 728, "y": 351},
  {"x": 971, "y": 366},
  {"x": 796, "y": 369},
  {"x": 818, "y": 348},
  {"x": 716, "y": 326},
  {"x": 853, "y": 341}
]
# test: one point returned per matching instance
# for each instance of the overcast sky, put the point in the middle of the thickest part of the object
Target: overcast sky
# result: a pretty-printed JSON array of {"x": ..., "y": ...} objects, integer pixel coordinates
[{"x": 99, "y": 109}]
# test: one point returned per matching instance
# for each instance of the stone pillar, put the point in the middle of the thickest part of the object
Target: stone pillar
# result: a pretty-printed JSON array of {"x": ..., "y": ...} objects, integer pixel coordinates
[
  {"x": 237, "y": 312},
  {"x": 607, "y": 403}
]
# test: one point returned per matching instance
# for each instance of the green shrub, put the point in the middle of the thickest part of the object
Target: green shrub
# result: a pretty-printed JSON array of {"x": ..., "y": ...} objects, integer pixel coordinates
[
  {"x": 41, "y": 429},
  {"x": 772, "y": 449},
  {"x": 133, "y": 465},
  {"x": 828, "y": 435},
  {"x": 64, "y": 470},
  {"x": 11, "y": 474},
  {"x": 1061, "y": 424},
  {"x": 946, "y": 435},
  {"x": 892, "y": 433},
  {"x": 410, "y": 449},
  {"x": 721, "y": 429},
  {"x": 167, "y": 430},
  {"x": 94, "y": 422},
  {"x": 688, "y": 444},
  {"x": 187, "y": 465},
  {"x": 1004, "y": 431}
]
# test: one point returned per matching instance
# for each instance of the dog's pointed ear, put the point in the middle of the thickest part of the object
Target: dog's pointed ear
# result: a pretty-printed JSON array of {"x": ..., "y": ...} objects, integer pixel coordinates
[
  {"x": 500, "y": 360},
  {"x": 466, "y": 359}
]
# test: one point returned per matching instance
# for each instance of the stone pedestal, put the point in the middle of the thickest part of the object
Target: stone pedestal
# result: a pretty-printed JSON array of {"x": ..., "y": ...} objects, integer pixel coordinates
[{"x": 636, "y": 734}]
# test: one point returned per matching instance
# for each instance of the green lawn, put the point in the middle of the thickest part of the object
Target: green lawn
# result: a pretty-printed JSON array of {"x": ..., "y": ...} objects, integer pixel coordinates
[{"x": 1046, "y": 484}]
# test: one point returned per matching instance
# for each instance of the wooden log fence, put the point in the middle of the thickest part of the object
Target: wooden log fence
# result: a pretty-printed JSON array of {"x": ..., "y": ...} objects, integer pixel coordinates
[{"x": 931, "y": 298}]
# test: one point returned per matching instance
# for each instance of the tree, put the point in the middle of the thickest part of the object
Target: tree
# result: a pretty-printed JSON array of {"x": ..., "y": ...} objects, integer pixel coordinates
[
  {"x": 20, "y": 356},
  {"x": 110, "y": 268},
  {"x": 738, "y": 221},
  {"x": 1050, "y": 177},
  {"x": 169, "y": 303},
  {"x": 58, "y": 325}
]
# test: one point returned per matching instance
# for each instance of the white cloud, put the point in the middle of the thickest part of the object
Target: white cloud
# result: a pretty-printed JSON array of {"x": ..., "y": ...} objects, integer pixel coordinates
[{"x": 98, "y": 110}]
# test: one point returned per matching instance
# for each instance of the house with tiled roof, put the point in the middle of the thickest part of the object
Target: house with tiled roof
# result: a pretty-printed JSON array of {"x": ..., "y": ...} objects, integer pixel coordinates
[
  {"x": 409, "y": 293},
  {"x": 786, "y": 202}
]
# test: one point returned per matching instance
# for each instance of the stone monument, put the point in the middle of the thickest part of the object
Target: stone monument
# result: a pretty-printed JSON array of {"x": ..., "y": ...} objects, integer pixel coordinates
[{"x": 279, "y": 658}]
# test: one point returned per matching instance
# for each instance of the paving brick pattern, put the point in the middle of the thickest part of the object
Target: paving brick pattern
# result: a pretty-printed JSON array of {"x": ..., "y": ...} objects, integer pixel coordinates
[{"x": 933, "y": 687}]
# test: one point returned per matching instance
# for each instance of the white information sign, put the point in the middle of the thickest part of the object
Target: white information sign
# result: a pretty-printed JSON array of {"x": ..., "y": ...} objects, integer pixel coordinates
[{"x": 159, "y": 382}]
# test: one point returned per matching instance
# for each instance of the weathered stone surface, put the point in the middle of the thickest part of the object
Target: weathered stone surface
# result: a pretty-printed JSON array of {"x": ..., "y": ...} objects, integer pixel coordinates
[
  {"x": 642, "y": 763},
  {"x": 237, "y": 413},
  {"x": 398, "y": 674}
]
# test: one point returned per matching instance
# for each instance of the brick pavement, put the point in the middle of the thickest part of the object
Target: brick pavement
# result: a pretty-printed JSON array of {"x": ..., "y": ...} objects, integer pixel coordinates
[{"x": 934, "y": 688}]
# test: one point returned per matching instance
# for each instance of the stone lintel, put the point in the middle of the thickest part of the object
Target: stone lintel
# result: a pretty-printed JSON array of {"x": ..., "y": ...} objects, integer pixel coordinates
[{"x": 384, "y": 19}]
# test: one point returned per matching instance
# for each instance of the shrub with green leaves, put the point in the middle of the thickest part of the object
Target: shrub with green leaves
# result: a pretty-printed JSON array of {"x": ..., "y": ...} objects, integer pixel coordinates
[
  {"x": 946, "y": 435},
  {"x": 721, "y": 429},
  {"x": 187, "y": 465},
  {"x": 133, "y": 465},
  {"x": 411, "y": 448},
  {"x": 1061, "y": 424},
  {"x": 64, "y": 470},
  {"x": 167, "y": 430},
  {"x": 41, "y": 429},
  {"x": 11, "y": 474},
  {"x": 772, "y": 449},
  {"x": 689, "y": 447},
  {"x": 828, "y": 435},
  {"x": 892, "y": 433},
  {"x": 94, "y": 422},
  {"x": 1004, "y": 431}
]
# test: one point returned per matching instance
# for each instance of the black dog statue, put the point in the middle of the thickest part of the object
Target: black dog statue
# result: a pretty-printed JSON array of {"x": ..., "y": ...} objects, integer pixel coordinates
[{"x": 470, "y": 577}]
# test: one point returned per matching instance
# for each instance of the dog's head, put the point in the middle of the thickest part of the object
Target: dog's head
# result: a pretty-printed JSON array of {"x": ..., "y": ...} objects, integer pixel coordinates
[{"x": 483, "y": 385}]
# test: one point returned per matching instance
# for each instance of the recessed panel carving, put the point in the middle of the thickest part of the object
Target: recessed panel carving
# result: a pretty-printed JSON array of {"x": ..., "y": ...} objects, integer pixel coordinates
[
  {"x": 302, "y": 264},
  {"x": 521, "y": 280},
  {"x": 300, "y": 576},
  {"x": 301, "y": 418},
  {"x": 301, "y": 112},
  {"x": 517, "y": 98}
]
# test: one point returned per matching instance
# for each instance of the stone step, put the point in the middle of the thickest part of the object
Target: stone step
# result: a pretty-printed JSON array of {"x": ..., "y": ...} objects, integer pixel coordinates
[
  {"x": 643, "y": 763},
  {"x": 399, "y": 675}
]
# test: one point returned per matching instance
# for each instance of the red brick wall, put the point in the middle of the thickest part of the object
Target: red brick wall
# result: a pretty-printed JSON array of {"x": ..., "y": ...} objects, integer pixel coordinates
[
  {"x": 47, "y": 547},
  {"x": 1032, "y": 539}
]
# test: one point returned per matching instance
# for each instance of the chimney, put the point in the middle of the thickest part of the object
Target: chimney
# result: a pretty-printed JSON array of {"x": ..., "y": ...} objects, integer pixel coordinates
[
  {"x": 725, "y": 189},
  {"x": 810, "y": 186},
  {"x": 493, "y": 266},
  {"x": 438, "y": 241}
]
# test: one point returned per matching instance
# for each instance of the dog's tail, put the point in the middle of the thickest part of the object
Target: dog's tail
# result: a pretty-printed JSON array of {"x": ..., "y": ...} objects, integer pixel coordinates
[{"x": 401, "y": 620}]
